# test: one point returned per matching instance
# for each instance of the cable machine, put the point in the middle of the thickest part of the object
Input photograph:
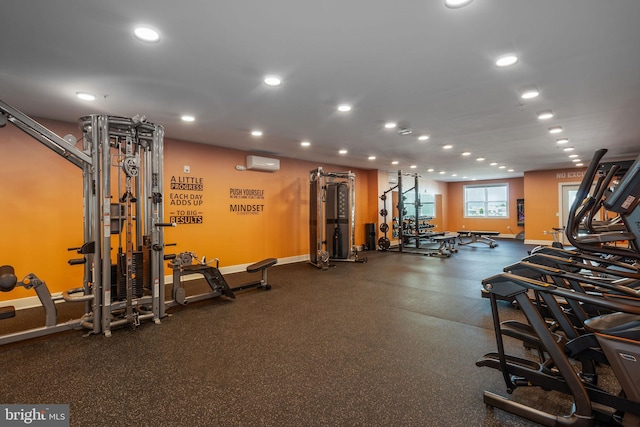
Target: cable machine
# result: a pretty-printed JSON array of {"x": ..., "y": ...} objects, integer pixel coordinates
[
  {"x": 332, "y": 217},
  {"x": 123, "y": 224},
  {"x": 123, "y": 250}
]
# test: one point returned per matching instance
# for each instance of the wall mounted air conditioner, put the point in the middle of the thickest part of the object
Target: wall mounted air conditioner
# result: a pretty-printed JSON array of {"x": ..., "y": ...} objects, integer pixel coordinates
[{"x": 257, "y": 163}]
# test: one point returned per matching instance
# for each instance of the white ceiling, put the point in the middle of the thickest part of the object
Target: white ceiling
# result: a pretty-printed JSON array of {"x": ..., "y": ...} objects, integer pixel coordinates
[{"x": 413, "y": 61}]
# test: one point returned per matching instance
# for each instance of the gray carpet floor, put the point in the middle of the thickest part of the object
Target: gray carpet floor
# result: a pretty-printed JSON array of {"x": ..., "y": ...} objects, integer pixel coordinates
[{"x": 390, "y": 342}]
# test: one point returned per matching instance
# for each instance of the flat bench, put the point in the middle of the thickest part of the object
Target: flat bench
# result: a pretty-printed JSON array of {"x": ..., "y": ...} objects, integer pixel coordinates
[
  {"x": 259, "y": 266},
  {"x": 447, "y": 244},
  {"x": 214, "y": 278},
  {"x": 477, "y": 237}
]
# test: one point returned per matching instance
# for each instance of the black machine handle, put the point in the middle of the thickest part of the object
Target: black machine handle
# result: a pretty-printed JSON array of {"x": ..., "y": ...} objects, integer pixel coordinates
[
  {"x": 86, "y": 248},
  {"x": 170, "y": 256}
]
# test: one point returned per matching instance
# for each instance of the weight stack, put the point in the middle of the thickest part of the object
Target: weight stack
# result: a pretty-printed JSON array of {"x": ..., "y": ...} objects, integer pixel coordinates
[
  {"x": 337, "y": 217},
  {"x": 119, "y": 277},
  {"x": 370, "y": 236}
]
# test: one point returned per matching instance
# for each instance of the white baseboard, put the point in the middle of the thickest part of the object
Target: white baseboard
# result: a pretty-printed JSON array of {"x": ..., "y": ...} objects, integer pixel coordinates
[
  {"x": 538, "y": 242},
  {"x": 34, "y": 301},
  {"x": 29, "y": 302}
]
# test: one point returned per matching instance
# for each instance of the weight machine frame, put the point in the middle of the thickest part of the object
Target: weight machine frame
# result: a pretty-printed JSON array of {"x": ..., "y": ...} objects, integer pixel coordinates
[
  {"x": 319, "y": 255},
  {"x": 135, "y": 147}
]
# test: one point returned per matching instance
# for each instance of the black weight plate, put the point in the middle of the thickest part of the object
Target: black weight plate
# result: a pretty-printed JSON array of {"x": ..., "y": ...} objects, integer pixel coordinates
[{"x": 384, "y": 243}]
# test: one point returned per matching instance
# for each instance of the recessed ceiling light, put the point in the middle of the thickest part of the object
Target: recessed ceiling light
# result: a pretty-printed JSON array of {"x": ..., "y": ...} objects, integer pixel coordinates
[
  {"x": 413, "y": 166},
  {"x": 272, "y": 81},
  {"x": 544, "y": 115},
  {"x": 342, "y": 151},
  {"x": 146, "y": 34},
  {"x": 85, "y": 96},
  {"x": 423, "y": 137},
  {"x": 555, "y": 129},
  {"x": 256, "y": 132},
  {"x": 493, "y": 164},
  {"x": 509, "y": 170},
  {"x": 305, "y": 143},
  {"x": 568, "y": 149},
  {"x": 576, "y": 160},
  {"x": 562, "y": 140},
  {"x": 579, "y": 164},
  {"x": 430, "y": 170},
  {"x": 454, "y": 174},
  {"x": 466, "y": 153},
  {"x": 455, "y": 4},
  {"x": 464, "y": 177},
  {"x": 188, "y": 118},
  {"x": 372, "y": 157},
  {"x": 530, "y": 93},
  {"x": 573, "y": 156},
  {"x": 506, "y": 60},
  {"x": 442, "y": 172},
  {"x": 502, "y": 167},
  {"x": 343, "y": 108},
  {"x": 447, "y": 147},
  {"x": 395, "y": 162},
  {"x": 390, "y": 125},
  {"x": 480, "y": 159}
]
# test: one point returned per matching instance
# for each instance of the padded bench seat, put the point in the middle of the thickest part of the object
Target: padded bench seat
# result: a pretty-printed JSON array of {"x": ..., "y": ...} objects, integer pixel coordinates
[
  {"x": 7, "y": 312},
  {"x": 478, "y": 237},
  {"x": 262, "y": 265},
  {"x": 256, "y": 267}
]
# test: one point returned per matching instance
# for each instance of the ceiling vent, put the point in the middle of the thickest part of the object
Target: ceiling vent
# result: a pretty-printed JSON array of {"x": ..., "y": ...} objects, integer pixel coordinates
[{"x": 404, "y": 128}]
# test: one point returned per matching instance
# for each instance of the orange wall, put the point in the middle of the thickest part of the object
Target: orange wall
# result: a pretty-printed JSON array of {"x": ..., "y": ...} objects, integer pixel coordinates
[
  {"x": 41, "y": 210},
  {"x": 542, "y": 199},
  {"x": 455, "y": 208},
  {"x": 280, "y": 230},
  {"x": 42, "y": 213}
]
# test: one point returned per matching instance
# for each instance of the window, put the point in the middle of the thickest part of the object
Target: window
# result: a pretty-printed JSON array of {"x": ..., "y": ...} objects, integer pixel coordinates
[
  {"x": 427, "y": 204},
  {"x": 486, "y": 201},
  {"x": 428, "y": 207}
]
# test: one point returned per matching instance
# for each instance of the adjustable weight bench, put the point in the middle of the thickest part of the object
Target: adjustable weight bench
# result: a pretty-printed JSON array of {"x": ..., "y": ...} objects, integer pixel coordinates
[{"x": 477, "y": 237}]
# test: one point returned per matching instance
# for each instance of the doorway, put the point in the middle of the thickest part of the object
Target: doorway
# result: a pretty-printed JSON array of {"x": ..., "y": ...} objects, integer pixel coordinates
[{"x": 567, "y": 193}]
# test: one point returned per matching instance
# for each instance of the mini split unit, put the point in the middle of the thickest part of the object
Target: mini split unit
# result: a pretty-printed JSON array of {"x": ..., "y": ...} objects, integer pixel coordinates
[{"x": 257, "y": 163}]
